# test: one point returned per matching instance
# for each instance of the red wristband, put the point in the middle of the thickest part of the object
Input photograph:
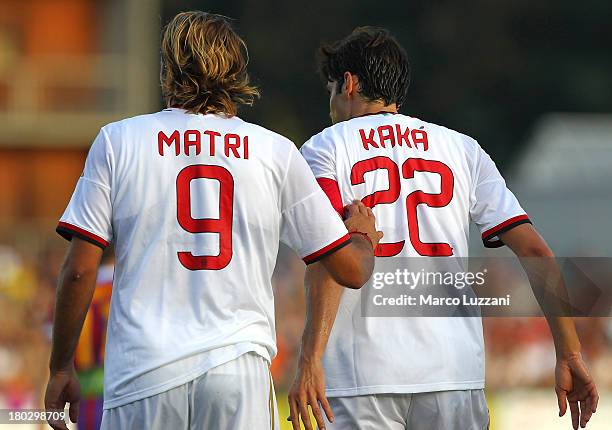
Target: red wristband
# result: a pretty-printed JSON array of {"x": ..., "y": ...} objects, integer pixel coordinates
[{"x": 364, "y": 235}]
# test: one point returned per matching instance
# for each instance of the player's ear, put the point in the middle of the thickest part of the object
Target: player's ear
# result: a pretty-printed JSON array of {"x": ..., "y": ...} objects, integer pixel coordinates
[{"x": 350, "y": 84}]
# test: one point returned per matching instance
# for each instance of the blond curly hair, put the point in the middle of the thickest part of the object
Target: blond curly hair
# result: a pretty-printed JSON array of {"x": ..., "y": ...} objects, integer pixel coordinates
[{"x": 203, "y": 65}]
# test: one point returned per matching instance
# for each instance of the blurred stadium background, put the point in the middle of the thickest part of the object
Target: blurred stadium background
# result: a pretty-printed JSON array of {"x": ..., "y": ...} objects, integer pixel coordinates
[{"x": 531, "y": 80}]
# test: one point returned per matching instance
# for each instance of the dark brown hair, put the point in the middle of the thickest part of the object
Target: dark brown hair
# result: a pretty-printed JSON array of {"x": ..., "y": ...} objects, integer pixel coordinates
[{"x": 377, "y": 59}]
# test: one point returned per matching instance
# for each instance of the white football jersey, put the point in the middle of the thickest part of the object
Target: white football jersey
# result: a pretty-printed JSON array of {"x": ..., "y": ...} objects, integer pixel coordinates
[
  {"x": 195, "y": 206},
  {"x": 424, "y": 183}
]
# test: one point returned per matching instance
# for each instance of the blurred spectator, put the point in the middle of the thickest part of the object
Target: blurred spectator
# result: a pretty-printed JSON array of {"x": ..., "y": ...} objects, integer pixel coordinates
[{"x": 89, "y": 357}]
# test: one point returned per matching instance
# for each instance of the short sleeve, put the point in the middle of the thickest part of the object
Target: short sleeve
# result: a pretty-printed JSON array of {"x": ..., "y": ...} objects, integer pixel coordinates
[
  {"x": 320, "y": 153},
  {"x": 493, "y": 207},
  {"x": 310, "y": 225},
  {"x": 89, "y": 212}
]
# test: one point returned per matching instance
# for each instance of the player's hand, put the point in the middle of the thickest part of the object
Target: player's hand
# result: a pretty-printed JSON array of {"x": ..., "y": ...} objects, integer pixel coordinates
[
  {"x": 63, "y": 387},
  {"x": 360, "y": 218},
  {"x": 309, "y": 389},
  {"x": 573, "y": 384}
]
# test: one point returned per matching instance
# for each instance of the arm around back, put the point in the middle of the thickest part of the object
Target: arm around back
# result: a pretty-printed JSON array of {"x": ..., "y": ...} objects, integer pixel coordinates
[{"x": 352, "y": 265}]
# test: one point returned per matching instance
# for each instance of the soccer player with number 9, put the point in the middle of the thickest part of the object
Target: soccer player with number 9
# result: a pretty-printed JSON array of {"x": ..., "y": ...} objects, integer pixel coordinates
[{"x": 195, "y": 201}]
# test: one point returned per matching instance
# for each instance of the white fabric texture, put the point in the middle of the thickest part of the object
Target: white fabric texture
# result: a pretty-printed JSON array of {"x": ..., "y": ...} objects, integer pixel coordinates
[
  {"x": 424, "y": 183},
  {"x": 195, "y": 206},
  {"x": 234, "y": 396},
  {"x": 441, "y": 410}
]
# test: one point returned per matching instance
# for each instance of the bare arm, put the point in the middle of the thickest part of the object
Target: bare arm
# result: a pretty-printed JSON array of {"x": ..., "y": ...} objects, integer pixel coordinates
[
  {"x": 324, "y": 282},
  {"x": 74, "y": 293},
  {"x": 545, "y": 276},
  {"x": 573, "y": 382},
  {"x": 322, "y": 300},
  {"x": 352, "y": 265}
]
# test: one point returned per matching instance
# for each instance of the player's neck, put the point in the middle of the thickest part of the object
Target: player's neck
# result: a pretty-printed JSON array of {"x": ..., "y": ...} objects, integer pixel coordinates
[{"x": 372, "y": 108}]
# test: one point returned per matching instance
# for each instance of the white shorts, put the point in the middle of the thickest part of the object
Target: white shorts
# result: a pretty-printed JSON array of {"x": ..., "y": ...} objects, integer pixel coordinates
[
  {"x": 235, "y": 395},
  {"x": 438, "y": 410}
]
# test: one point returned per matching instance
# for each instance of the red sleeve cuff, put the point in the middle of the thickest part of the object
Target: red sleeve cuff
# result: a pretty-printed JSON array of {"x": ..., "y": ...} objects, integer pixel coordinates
[
  {"x": 489, "y": 235},
  {"x": 67, "y": 231},
  {"x": 329, "y": 249}
]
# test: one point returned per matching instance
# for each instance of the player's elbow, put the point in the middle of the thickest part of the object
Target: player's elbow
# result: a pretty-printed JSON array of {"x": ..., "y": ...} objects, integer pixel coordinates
[
  {"x": 74, "y": 273},
  {"x": 351, "y": 279},
  {"x": 363, "y": 271},
  {"x": 358, "y": 277},
  {"x": 353, "y": 273}
]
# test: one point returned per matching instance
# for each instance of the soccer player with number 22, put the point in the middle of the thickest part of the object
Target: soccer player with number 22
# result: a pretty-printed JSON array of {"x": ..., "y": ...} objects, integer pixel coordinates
[{"x": 425, "y": 183}]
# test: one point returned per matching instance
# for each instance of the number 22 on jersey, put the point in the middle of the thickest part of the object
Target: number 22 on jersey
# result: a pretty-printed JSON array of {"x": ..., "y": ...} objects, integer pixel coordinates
[{"x": 414, "y": 199}]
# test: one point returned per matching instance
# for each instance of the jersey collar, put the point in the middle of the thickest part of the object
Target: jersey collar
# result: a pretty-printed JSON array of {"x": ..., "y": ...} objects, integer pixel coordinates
[
  {"x": 184, "y": 111},
  {"x": 377, "y": 113}
]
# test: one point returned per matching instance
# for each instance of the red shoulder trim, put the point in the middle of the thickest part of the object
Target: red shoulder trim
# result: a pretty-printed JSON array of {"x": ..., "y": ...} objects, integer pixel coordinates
[{"x": 67, "y": 230}]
